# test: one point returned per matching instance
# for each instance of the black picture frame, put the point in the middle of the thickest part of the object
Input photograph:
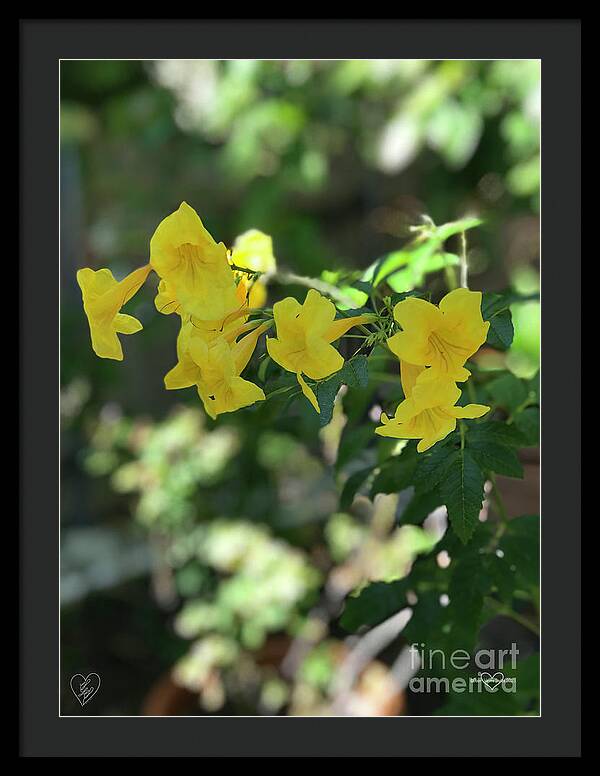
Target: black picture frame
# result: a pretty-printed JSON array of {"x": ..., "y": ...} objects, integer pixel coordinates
[{"x": 43, "y": 43}]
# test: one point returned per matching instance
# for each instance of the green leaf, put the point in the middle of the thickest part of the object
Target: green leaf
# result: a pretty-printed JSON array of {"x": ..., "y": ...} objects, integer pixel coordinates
[
  {"x": 445, "y": 231},
  {"x": 396, "y": 473},
  {"x": 351, "y": 485},
  {"x": 495, "y": 308},
  {"x": 508, "y": 392},
  {"x": 353, "y": 441},
  {"x": 354, "y": 373},
  {"x": 427, "y": 621},
  {"x": 498, "y": 432},
  {"x": 373, "y": 604},
  {"x": 469, "y": 584},
  {"x": 493, "y": 454},
  {"x": 433, "y": 464},
  {"x": 497, "y": 458},
  {"x": 405, "y": 269},
  {"x": 503, "y": 578},
  {"x": 462, "y": 491},
  {"x": 521, "y": 547},
  {"x": 528, "y": 423},
  {"x": 262, "y": 369},
  {"x": 420, "y": 506}
]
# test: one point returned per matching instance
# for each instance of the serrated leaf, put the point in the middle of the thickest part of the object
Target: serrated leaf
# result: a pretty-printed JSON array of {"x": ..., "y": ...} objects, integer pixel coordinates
[
  {"x": 432, "y": 465},
  {"x": 498, "y": 432},
  {"x": 495, "y": 308},
  {"x": 354, "y": 373},
  {"x": 462, "y": 491},
  {"x": 493, "y": 457}
]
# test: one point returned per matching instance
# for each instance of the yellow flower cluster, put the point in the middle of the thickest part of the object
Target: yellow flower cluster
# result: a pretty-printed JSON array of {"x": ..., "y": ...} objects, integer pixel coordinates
[
  {"x": 215, "y": 290},
  {"x": 204, "y": 283},
  {"x": 198, "y": 282},
  {"x": 433, "y": 346}
]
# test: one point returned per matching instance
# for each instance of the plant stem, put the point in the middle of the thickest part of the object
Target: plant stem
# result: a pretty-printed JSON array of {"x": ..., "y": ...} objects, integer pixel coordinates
[
  {"x": 464, "y": 270},
  {"x": 451, "y": 280},
  {"x": 507, "y": 611},
  {"x": 286, "y": 278}
]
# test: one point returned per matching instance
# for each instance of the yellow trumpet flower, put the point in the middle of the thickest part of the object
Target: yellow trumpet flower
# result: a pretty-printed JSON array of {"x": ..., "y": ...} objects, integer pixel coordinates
[
  {"x": 304, "y": 336},
  {"x": 253, "y": 250},
  {"x": 214, "y": 366},
  {"x": 428, "y": 412},
  {"x": 441, "y": 337},
  {"x": 103, "y": 297},
  {"x": 194, "y": 267}
]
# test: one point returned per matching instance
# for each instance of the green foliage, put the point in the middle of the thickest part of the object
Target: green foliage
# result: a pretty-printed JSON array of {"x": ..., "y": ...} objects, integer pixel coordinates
[
  {"x": 495, "y": 308},
  {"x": 462, "y": 490},
  {"x": 374, "y": 604},
  {"x": 354, "y": 373},
  {"x": 397, "y": 473}
]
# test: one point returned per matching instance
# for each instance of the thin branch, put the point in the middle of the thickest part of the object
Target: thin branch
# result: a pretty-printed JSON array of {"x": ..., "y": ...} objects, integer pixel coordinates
[
  {"x": 287, "y": 278},
  {"x": 464, "y": 269},
  {"x": 363, "y": 653}
]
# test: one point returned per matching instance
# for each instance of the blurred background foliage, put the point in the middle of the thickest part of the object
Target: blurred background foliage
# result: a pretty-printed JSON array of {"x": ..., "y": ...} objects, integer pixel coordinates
[{"x": 178, "y": 531}]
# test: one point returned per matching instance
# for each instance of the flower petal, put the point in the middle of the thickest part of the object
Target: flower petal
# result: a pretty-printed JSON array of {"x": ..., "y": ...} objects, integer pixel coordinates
[
  {"x": 308, "y": 392},
  {"x": 463, "y": 330},
  {"x": 127, "y": 324},
  {"x": 317, "y": 313},
  {"x": 320, "y": 359},
  {"x": 230, "y": 396},
  {"x": 432, "y": 393},
  {"x": 184, "y": 374},
  {"x": 254, "y": 250},
  {"x": 286, "y": 312},
  {"x": 415, "y": 313},
  {"x": 243, "y": 350},
  {"x": 408, "y": 376},
  {"x": 257, "y": 295},
  {"x": 165, "y": 300},
  {"x": 469, "y": 411},
  {"x": 339, "y": 327}
]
